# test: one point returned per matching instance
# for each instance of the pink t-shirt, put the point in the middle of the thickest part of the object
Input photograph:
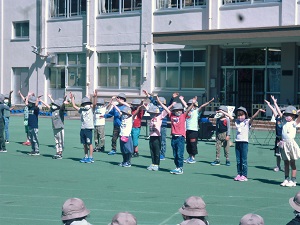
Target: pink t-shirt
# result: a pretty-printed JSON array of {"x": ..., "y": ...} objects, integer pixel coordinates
[
  {"x": 155, "y": 124},
  {"x": 178, "y": 124}
]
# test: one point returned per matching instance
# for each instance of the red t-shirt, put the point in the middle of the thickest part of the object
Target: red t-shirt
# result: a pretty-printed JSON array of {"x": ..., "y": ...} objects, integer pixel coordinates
[
  {"x": 137, "y": 122},
  {"x": 178, "y": 124}
]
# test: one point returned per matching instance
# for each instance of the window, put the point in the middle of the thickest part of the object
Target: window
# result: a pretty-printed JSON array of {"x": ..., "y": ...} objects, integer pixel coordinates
[
  {"x": 74, "y": 66},
  {"x": 225, "y": 2},
  {"x": 21, "y": 29},
  {"x": 180, "y": 69},
  {"x": 179, "y": 4},
  {"x": 119, "y": 70},
  {"x": 119, "y": 6},
  {"x": 67, "y": 8}
]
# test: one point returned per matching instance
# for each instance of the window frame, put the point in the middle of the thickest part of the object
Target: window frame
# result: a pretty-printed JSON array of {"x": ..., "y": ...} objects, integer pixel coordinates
[
  {"x": 54, "y": 8},
  {"x": 106, "y": 7},
  {"x": 179, "y": 4},
  {"x": 22, "y": 27}
]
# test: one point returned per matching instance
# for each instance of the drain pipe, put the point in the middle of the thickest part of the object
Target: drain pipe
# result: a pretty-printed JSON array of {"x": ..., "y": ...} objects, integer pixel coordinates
[{"x": 87, "y": 47}]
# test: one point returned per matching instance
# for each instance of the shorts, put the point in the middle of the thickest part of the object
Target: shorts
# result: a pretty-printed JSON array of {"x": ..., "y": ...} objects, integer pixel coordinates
[
  {"x": 135, "y": 133},
  {"x": 86, "y": 136}
]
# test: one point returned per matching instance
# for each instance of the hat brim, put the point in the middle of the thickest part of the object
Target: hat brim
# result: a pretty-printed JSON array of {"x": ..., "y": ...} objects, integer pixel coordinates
[
  {"x": 76, "y": 215},
  {"x": 87, "y": 103},
  {"x": 197, "y": 212},
  {"x": 294, "y": 205}
]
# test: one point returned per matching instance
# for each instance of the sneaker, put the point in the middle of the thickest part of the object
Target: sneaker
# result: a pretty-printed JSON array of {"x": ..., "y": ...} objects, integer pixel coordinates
[
  {"x": 276, "y": 169},
  {"x": 102, "y": 149},
  {"x": 26, "y": 143},
  {"x": 34, "y": 153},
  {"x": 237, "y": 178},
  {"x": 155, "y": 168},
  {"x": 186, "y": 160},
  {"x": 227, "y": 163},
  {"x": 177, "y": 171},
  {"x": 96, "y": 150},
  {"x": 6, "y": 142},
  {"x": 121, "y": 164},
  {"x": 127, "y": 164},
  {"x": 150, "y": 167},
  {"x": 89, "y": 160},
  {"x": 162, "y": 157},
  {"x": 83, "y": 160},
  {"x": 112, "y": 152},
  {"x": 3, "y": 150},
  {"x": 57, "y": 156},
  {"x": 243, "y": 178},
  {"x": 135, "y": 154},
  {"x": 215, "y": 163},
  {"x": 284, "y": 183},
  {"x": 191, "y": 161},
  {"x": 291, "y": 184}
]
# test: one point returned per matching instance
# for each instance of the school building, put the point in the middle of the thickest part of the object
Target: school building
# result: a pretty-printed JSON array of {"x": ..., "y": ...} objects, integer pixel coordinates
[{"x": 238, "y": 51}]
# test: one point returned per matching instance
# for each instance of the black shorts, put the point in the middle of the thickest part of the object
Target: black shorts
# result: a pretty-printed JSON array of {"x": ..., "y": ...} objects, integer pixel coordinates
[{"x": 86, "y": 136}]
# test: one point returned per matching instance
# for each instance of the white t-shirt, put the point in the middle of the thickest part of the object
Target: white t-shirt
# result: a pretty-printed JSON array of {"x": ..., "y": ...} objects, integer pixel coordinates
[
  {"x": 192, "y": 120},
  {"x": 99, "y": 112},
  {"x": 242, "y": 130},
  {"x": 289, "y": 130},
  {"x": 87, "y": 118},
  {"x": 126, "y": 126}
]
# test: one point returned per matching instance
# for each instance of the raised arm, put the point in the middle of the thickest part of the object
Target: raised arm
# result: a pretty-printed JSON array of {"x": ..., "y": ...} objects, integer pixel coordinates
[
  {"x": 191, "y": 106},
  {"x": 183, "y": 102},
  {"x": 73, "y": 101},
  {"x": 9, "y": 96},
  {"x": 255, "y": 115},
  {"x": 274, "y": 111},
  {"x": 23, "y": 98},
  {"x": 276, "y": 106},
  {"x": 45, "y": 104},
  {"x": 95, "y": 98},
  {"x": 205, "y": 104},
  {"x": 50, "y": 97},
  {"x": 163, "y": 106},
  {"x": 226, "y": 114}
]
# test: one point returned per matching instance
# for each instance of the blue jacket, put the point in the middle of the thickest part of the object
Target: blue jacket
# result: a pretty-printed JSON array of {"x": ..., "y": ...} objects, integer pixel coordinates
[{"x": 114, "y": 113}]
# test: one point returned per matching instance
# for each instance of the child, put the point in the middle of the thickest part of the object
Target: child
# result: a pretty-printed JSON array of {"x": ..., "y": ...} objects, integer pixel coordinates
[
  {"x": 58, "y": 110},
  {"x": 288, "y": 147},
  {"x": 242, "y": 124},
  {"x": 99, "y": 123},
  {"x": 222, "y": 134},
  {"x": 27, "y": 142},
  {"x": 33, "y": 126},
  {"x": 126, "y": 145},
  {"x": 2, "y": 108},
  {"x": 6, "y": 115},
  {"x": 278, "y": 130},
  {"x": 121, "y": 98},
  {"x": 87, "y": 126},
  {"x": 192, "y": 127},
  {"x": 178, "y": 131},
  {"x": 164, "y": 124},
  {"x": 137, "y": 113},
  {"x": 155, "y": 135},
  {"x": 295, "y": 204}
]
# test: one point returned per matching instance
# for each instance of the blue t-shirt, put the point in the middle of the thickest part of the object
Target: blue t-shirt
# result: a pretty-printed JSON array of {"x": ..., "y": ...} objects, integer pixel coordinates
[
  {"x": 33, "y": 113},
  {"x": 114, "y": 113}
]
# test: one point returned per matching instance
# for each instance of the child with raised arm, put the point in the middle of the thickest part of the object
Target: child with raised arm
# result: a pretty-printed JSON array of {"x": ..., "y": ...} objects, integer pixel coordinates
[
  {"x": 222, "y": 134},
  {"x": 243, "y": 124},
  {"x": 87, "y": 126},
  {"x": 192, "y": 127},
  {"x": 126, "y": 144},
  {"x": 99, "y": 122},
  {"x": 27, "y": 142},
  {"x": 2, "y": 108},
  {"x": 288, "y": 147},
  {"x": 178, "y": 132},
  {"x": 6, "y": 115},
  {"x": 57, "y": 110},
  {"x": 278, "y": 130}
]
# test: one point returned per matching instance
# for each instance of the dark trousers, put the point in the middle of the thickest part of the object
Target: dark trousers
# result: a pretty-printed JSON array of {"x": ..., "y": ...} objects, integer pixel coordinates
[
  {"x": 2, "y": 141},
  {"x": 116, "y": 132},
  {"x": 241, "y": 152},
  {"x": 191, "y": 146},
  {"x": 155, "y": 147}
]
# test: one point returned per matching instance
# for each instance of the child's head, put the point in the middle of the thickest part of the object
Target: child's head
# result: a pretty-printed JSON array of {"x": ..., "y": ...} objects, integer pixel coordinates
[
  {"x": 56, "y": 104},
  {"x": 193, "y": 207},
  {"x": 290, "y": 113},
  {"x": 153, "y": 111},
  {"x": 121, "y": 98},
  {"x": 135, "y": 103},
  {"x": 31, "y": 101},
  {"x": 162, "y": 100},
  {"x": 252, "y": 219},
  {"x": 100, "y": 102},
  {"x": 74, "y": 208},
  {"x": 126, "y": 112},
  {"x": 241, "y": 113},
  {"x": 190, "y": 102},
  {"x": 177, "y": 109},
  {"x": 86, "y": 103},
  {"x": 219, "y": 113},
  {"x": 123, "y": 218},
  {"x": 295, "y": 203}
]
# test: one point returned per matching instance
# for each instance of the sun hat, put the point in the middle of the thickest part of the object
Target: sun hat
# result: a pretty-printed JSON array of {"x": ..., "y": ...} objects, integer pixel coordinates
[
  {"x": 193, "y": 206},
  {"x": 290, "y": 110},
  {"x": 224, "y": 108},
  {"x": 32, "y": 99},
  {"x": 252, "y": 219},
  {"x": 136, "y": 102},
  {"x": 177, "y": 106},
  {"x": 85, "y": 100},
  {"x": 163, "y": 100},
  {"x": 74, "y": 208},
  {"x": 193, "y": 222},
  {"x": 295, "y": 202},
  {"x": 126, "y": 110},
  {"x": 100, "y": 101},
  {"x": 153, "y": 109},
  {"x": 191, "y": 102},
  {"x": 123, "y": 218},
  {"x": 122, "y": 95},
  {"x": 241, "y": 108}
]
